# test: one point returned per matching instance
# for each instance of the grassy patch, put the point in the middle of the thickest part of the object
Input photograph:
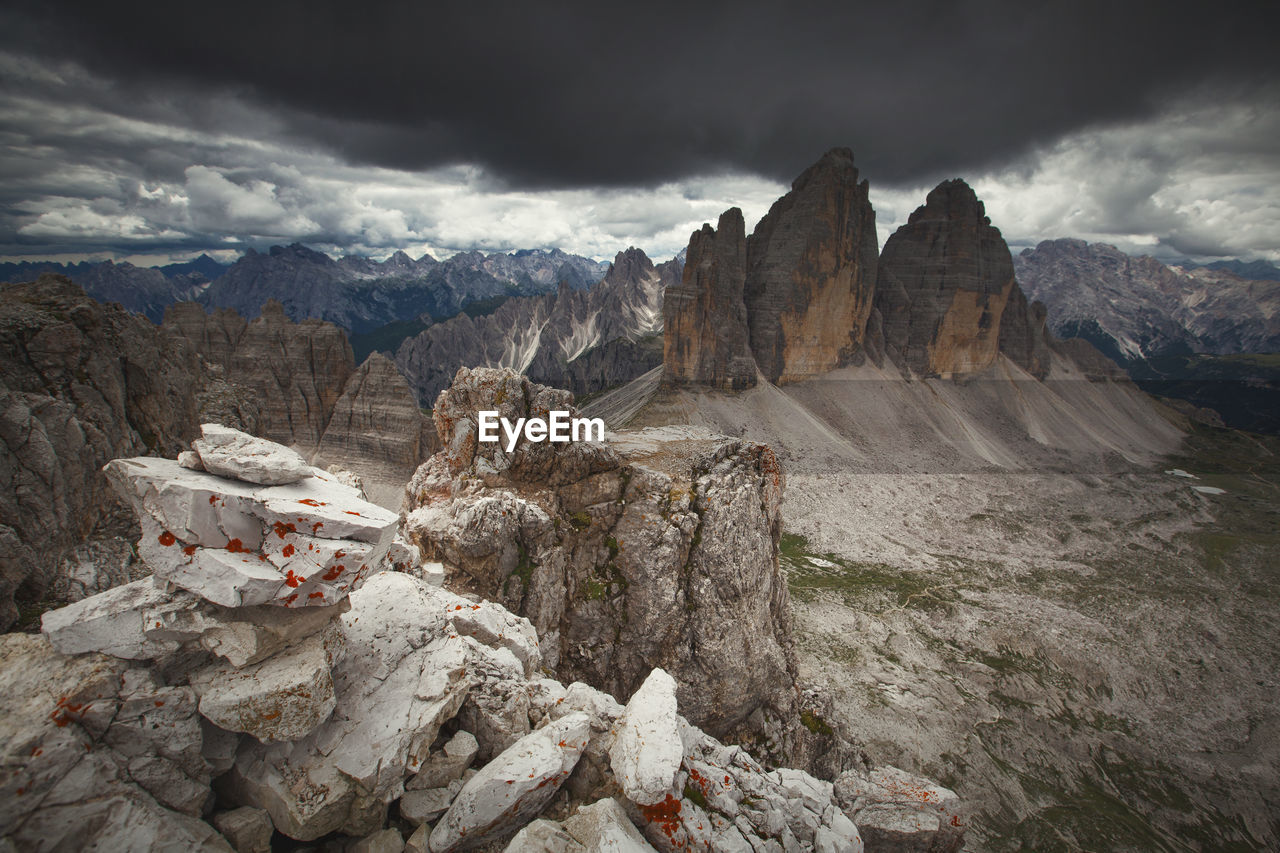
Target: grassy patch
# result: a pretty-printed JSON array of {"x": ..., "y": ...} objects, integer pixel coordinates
[
  {"x": 810, "y": 575},
  {"x": 814, "y": 723}
]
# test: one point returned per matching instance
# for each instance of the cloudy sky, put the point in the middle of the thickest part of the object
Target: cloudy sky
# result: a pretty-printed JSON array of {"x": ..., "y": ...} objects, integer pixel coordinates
[{"x": 145, "y": 131}]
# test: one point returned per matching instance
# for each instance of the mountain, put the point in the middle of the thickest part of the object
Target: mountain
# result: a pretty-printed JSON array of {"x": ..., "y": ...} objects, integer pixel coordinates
[
  {"x": 1252, "y": 270},
  {"x": 992, "y": 557},
  {"x": 203, "y": 266},
  {"x": 362, "y": 295},
  {"x": 1136, "y": 308},
  {"x": 143, "y": 290},
  {"x": 583, "y": 340}
]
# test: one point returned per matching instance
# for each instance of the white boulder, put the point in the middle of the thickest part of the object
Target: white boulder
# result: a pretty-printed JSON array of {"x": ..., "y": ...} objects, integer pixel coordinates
[
  {"x": 513, "y": 787},
  {"x": 231, "y": 453},
  {"x": 282, "y": 698},
  {"x": 647, "y": 751},
  {"x": 603, "y": 827},
  {"x": 238, "y": 544}
]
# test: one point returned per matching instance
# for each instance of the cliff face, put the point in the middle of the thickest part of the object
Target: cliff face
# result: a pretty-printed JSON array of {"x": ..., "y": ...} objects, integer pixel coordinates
[
  {"x": 377, "y": 421},
  {"x": 811, "y": 272},
  {"x": 80, "y": 384},
  {"x": 656, "y": 549},
  {"x": 296, "y": 383},
  {"x": 705, "y": 337},
  {"x": 297, "y": 372},
  {"x": 941, "y": 300},
  {"x": 945, "y": 280}
]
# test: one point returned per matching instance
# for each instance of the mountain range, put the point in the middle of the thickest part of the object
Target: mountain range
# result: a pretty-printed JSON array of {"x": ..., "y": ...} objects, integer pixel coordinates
[{"x": 356, "y": 293}]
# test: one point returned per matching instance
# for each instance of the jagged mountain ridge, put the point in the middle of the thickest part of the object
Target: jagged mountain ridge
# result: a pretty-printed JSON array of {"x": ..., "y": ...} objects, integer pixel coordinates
[
  {"x": 806, "y": 293},
  {"x": 583, "y": 340},
  {"x": 143, "y": 290},
  {"x": 360, "y": 294},
  {"x": 1134, "y": 308}
]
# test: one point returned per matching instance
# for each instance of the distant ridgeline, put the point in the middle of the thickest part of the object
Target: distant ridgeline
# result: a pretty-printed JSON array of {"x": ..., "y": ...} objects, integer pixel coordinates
[
  {"x": 1209, "y": 335},
  {"x": 355, "y": 293}
]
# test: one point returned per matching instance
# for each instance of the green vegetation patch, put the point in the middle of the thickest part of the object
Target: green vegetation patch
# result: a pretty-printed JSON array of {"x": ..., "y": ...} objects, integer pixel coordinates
[{"x": 811, "y": 575}]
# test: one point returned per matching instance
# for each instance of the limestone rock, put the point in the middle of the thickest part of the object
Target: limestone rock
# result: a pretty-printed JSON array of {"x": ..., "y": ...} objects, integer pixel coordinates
[
  {"x": 811, "y": 273},
  {"x": 297, "y": 372},
  {"x": 647, "y": 751},
  {"x": 96, "y": 566},
  {"x": 946, "y": 278},
  {"x": 238, "y": 544},
  {"x": 80, "y": 384},
  {"x": 425, "y": 804},
  {"x": 116, "y": 622},
  {"x": 705, "y": 338},
  {"x": 513, "y": 397},
  {"x": 403, "y": 676},
  {"x": 383, "y": 841},
  {"x": 96, "y": 755},
  {"x": 514, "y": 786},
  {"x": 231, "y": 453},
  {"x": 665, "y": 545},
  {"x": 543, "y": 836},
  {"x": 895, "y": 810},
  {"x": 248, "y": 830},
  {"x": 283, "y": 698},
  {"x": 1024, "y": 336},
  {"x": 376, "y": 421},
  {"x": 447, "y": 765},
  {"x": 604, "y": 826}
]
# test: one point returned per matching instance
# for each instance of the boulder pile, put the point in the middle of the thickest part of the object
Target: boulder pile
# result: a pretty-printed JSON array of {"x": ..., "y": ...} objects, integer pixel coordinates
[{"x": 221, "y": 704}]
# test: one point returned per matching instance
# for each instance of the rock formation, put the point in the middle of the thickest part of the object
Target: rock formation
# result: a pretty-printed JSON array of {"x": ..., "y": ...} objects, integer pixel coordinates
[
  {"x": 705, "y": 336},
  {"x": 377, "y": 423},
  {"x": 811, "y": 272},
  {"x": 313, "y": 717},
  {"x": 941, "y": 300},
  {"x": 654, "y": 549},
  {"x": 945, "y": 279},
  {"x": 297, "y": 372},
  {"x": 80, "y": 384},
  {"x": 297, "y": 383}
]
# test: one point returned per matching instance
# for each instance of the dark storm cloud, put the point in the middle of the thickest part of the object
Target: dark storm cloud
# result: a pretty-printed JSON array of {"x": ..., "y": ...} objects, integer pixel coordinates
[{"x": 565, "y": 95}]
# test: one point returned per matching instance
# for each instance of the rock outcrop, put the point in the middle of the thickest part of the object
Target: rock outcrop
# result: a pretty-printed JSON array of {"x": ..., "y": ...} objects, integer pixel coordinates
[
  {"x": 108, "y": 751},
  {"x": 654, "y": 549},
  {"x": 296, "y": 371},
  {"x": 377, "y": 422},
  {"x": 945, "y": 279},
  {"x": 705, "y": 336},
  {"x": 80, "y": 384},
  {"x": 811, "y": 273}
]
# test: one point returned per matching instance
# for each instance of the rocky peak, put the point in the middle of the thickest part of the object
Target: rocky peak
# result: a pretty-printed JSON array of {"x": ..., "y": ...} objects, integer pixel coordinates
[
  {"x": 705, "y": 330},
  {"x": 811, "y": 271},
  {"x": 632, "y": 264},
  {"x": 945, "y": 279},
  {"x": 656, "y": 548}
]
